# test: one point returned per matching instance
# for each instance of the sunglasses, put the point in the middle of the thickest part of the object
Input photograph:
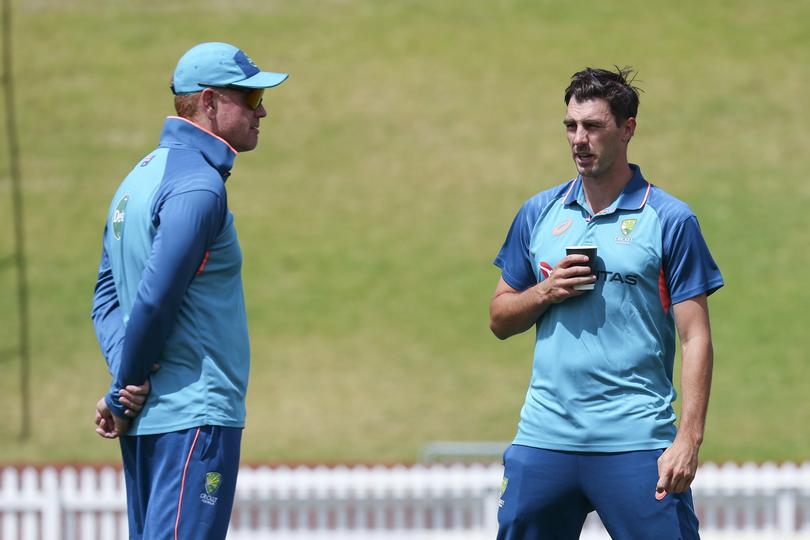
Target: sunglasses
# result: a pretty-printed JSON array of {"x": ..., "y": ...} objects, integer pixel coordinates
[{"x": 253, "y": 99}]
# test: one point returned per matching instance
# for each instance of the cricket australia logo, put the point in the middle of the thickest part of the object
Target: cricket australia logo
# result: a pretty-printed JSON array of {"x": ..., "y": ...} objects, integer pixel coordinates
[
  {"x": 212, "y": 482},
  {"x": 626, "y": 228},
  {"x": 118, "y": 217},
  {"x": 504, "y": 483}
]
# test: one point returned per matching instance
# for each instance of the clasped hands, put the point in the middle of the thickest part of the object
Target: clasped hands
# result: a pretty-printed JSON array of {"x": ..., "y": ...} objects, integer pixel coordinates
[{"x": 133, "y": 397}]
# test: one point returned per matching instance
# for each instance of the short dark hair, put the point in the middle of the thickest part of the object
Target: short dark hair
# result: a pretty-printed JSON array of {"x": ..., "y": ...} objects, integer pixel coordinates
[{"x": 613, "y": 86}]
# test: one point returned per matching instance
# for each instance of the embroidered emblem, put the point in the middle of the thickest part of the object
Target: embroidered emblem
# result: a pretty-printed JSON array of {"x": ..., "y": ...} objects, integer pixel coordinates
[
  {"x": 212, "y": 481},
  {"x": 504, "y": 483},
  {"x": 627, "y": 226}
]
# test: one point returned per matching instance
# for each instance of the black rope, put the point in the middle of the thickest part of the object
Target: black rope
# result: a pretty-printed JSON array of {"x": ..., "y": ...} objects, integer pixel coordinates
[{"x": 17, "y": 210}]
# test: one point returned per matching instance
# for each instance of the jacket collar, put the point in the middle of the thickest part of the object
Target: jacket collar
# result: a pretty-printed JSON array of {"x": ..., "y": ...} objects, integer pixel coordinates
[{"x": 183, "y": 133}]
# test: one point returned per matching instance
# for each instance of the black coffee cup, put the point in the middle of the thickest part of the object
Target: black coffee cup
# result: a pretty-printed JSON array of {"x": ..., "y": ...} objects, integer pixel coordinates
[{"x": 590, "y": 251}]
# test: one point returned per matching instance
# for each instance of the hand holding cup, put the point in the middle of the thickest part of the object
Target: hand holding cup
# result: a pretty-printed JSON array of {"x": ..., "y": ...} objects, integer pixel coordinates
[{"x": 590, "y": 252}]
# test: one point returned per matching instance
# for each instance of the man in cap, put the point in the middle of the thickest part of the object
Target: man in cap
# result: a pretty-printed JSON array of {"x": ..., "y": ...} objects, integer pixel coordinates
[{"x": 168, "y": 300}]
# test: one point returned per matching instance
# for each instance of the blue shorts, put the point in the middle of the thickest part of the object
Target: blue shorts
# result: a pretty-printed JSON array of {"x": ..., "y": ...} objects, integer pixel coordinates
[
  {"x": 547, "y": 494},
  {"x": 180, "y": 485}
]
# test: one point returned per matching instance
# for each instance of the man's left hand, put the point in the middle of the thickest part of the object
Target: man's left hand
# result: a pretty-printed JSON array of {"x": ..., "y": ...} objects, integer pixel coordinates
[
  {"x": 108, "y": 425},
  {"x": 676, "y": 468}
]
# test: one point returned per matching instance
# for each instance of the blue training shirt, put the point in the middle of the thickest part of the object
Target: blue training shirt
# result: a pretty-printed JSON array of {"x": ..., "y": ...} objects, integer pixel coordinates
[
  {"x": 169, "y": 286},
  {"x": 602, "y": 372}
]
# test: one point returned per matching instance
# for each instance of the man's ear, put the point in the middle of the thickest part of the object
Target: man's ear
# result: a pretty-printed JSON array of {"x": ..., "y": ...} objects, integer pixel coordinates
[
  {"x": 628, "y": 129},
  {"x": 208, "y": 103}
]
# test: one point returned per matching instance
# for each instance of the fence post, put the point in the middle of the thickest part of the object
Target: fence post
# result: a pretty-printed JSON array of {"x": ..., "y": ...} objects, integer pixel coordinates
[
  {"x": 52, "y": 509},
  {"x": 804, "y": 496},
  {"x": 8, "y": 494},
  {"x": 109, "y": 492},
  {"x": 32, "y": 498},
  {"x": 787, "y": 499}
]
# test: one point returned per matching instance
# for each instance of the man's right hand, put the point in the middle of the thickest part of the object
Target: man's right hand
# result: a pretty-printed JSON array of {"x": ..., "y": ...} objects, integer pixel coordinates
[
  {"x": 108, "y": 425},
  {"x": 570, "y": 271},
  {"x": 133, "y": 396},
  {"x": 512, "y": 312}
]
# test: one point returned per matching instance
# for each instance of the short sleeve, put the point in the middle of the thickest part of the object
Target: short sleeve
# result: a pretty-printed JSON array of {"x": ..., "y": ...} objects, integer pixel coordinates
[
  {"x": 514, "y": 258},
  {"x": 689, "y": 268}
]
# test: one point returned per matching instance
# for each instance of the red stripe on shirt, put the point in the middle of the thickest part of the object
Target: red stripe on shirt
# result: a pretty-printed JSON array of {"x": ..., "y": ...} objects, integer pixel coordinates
[
  {"x": 571, "y": 187},
  {"x": 646, "y": 196},
  {"x": 202, "y": 264},
  {"x": 183, "y": 483},
  {"x": 663, "y": 292}
]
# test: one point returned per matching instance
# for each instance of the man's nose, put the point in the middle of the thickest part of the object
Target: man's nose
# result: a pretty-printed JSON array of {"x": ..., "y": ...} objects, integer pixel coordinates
[{"x": 580, "y": 136}]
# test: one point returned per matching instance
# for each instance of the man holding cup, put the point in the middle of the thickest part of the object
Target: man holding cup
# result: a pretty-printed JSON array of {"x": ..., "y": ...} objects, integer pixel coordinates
[{"x": 606, "y": 267}]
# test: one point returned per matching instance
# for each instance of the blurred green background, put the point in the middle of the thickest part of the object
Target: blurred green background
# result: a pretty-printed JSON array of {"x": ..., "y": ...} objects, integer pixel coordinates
[{"x": 388, "y": 172}]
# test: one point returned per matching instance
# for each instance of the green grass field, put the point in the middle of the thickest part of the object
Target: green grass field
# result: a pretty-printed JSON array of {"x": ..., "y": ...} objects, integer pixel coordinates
[{"x": 388, "y": 173}]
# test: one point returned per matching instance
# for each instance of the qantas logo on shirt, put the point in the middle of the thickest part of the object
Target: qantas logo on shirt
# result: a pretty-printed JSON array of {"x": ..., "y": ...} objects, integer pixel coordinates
[
  {"x": 617, "y": 277},
  {"x": 601, "y": 275}
]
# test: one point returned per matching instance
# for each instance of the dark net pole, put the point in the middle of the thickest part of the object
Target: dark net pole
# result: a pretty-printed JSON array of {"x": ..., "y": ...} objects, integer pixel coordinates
[{"x": 17, "y": 210}]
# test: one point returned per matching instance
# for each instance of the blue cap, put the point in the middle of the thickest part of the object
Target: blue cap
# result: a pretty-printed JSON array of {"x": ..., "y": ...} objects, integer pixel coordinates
[{"x": 220, "y": 64}]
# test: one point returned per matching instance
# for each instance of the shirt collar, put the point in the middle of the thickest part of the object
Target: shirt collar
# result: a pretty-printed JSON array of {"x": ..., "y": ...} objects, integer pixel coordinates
[
  {"x": 183, "y": 133},
  {"x": 633, "y": 196}
]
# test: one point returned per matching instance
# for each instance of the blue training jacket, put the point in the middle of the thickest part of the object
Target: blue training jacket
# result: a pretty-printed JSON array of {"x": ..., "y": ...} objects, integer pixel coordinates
[{"x": 169, "y": 288}]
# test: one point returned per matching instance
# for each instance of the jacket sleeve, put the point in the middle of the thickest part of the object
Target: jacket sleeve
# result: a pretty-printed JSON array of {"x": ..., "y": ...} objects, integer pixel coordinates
[
  {"x": 106, "y": 314},
  {"x": 187, "y": 224}
]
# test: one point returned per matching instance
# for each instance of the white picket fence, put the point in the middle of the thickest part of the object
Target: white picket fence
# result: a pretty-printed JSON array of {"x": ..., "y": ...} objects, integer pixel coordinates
[{"x": 430, "y": 502}]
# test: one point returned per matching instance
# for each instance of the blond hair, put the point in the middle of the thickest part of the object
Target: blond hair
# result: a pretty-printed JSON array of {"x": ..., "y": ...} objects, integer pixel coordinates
[{"x": 186, "y": 104}]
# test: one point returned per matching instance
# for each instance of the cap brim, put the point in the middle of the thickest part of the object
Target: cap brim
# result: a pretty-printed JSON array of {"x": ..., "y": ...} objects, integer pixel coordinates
[{"x": 263, "y": 79}]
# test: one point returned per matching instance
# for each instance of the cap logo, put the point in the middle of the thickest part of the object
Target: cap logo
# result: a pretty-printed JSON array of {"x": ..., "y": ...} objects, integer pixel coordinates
[{"x": 248, "y": 66}]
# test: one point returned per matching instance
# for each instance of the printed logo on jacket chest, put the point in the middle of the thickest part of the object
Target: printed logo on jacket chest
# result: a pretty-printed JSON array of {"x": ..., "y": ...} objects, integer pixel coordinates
[
  {"x": 626, "y": 227},
  {"x": 605, "y": 276},
  {"x": 118, "y": 217}
]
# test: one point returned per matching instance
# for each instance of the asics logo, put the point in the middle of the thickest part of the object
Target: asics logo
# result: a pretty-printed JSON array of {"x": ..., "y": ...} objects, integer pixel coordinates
[{"x": 562, "y": 227}]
